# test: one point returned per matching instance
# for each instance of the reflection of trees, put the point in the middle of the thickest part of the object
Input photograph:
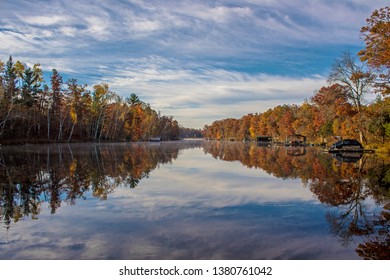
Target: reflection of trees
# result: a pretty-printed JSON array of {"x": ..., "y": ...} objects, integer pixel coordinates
[
  {"x": 31, "y": 175},
  {"x": 278, "y": 161},
  {"x": 377, "y": 245},
  {"x": 354, "y": 217},
  {"x": 355, "y": 189},
  {"x": 357, "y": 192}
]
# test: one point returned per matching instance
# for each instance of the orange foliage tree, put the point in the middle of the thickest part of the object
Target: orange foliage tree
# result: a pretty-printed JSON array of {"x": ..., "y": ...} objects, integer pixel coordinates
[{"x": 376, "y": 35}]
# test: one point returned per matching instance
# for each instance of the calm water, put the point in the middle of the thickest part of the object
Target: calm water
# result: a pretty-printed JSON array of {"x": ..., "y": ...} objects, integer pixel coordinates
[{"x": 191, "y": 200}]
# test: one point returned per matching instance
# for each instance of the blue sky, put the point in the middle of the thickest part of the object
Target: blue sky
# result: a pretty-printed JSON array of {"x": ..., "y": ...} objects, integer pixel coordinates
[{"x": 198, "y": 61}]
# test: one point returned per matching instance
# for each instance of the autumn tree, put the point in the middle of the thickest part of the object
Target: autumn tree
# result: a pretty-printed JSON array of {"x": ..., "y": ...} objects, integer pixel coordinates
[
  {"x": 304, "y": 122},
  {"x": 75, "y": 93},
  {"x": 333, "y": 109},
  {"x": 100, "y": 99},
  {"x": 245, "y": 131},
  {"x": 378, "y": 115},
  {"x": 135, "y": 116},
  {"x": 116, "y": 117},
  {"x": 376, "y": 35}
]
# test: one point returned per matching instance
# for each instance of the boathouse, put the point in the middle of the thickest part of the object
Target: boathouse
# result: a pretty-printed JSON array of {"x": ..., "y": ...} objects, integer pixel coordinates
[
  {"x": 264, "y": 139},
  {"x": 296, "y": 140}
]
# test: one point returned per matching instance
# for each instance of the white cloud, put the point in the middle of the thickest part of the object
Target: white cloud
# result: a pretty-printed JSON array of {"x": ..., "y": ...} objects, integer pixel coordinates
[
  {"x": 68, "y": 31},
  {"x": 11, "y": 42},
  {"x": 44, "y": 20},
  {"x": 219, "y": 14},
  {"x": 146, "y": 25},
  {"x": 210, "y": 93},
  {"x": 97, "y": 27}
]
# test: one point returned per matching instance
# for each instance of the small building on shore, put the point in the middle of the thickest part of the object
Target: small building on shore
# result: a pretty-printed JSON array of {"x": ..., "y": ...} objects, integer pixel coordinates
[
  {"x": 296, "y": 140},
  {"x": 264, "y": 139},
  {"x": 155, "y": 139}
]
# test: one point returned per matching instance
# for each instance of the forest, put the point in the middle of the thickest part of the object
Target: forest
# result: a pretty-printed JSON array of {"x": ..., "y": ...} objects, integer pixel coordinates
[
  {"x": 336, "y": 109},
  {"x": 34, "y": 112}
]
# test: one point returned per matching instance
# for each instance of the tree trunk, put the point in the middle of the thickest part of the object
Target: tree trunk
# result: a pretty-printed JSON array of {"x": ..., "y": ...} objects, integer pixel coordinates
[
  {"x": 71, "y": 132},
  {"x": 48, "y": 124}
]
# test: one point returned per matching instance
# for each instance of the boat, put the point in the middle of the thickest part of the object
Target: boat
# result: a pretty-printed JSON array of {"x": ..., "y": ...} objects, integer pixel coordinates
[
  {"x": 346, "y": 145},
  {"x": 155, "y": 139}
]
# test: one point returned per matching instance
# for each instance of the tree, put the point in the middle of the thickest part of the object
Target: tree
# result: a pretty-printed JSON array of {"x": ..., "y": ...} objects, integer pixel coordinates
[
  {"x": 357, "y": 80},
  {"x": 332, "y": 110},
  {"x": 379, "y": 118},
  {"x": 55, "y": 104},
  {"x": 304, "y": 121},
  {"x": 1, "y": 80},
  {"x": 376, "y": 36},
  {"x": 347, "y": 72},
  {"x": 75, "y": 93},
  {"x": 10, "y": 79},
  {"x": 29, "y": 98},
  {"x": 135, "y": 117},
  {"x": 9, "y": 90},
  {"x": 100, "y": 98},
  {"x": 133, "y": 100},
  {"x": 29, "y": 107},
  {"x": 30, "y": 87},
  {"x": 19, "y": 68}
]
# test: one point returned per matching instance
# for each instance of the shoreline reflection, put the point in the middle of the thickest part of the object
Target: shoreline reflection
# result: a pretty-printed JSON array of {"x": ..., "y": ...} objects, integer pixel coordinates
[
  {"x": 345, "y": 182},
  {"x": 32, "y": 175},
  {"x": 354, "y": 189}
]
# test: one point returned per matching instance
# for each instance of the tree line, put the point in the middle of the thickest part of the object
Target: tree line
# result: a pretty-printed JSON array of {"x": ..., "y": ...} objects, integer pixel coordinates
[
  {"x": 33, "y": 111},
  {"x": 337, "y": 108}
]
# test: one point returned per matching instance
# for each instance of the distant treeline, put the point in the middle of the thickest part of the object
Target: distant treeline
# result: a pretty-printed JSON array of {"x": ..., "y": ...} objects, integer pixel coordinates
[
  {"x": 32, "y": 111},
  {"x": 337, "y": 109},
  {"x": 327, "y": 114},
  {"x": 190, "y": 132}
]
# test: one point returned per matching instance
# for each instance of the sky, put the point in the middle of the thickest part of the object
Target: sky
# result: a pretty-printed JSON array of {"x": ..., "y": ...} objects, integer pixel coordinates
[{"x": 198, "y": 61}]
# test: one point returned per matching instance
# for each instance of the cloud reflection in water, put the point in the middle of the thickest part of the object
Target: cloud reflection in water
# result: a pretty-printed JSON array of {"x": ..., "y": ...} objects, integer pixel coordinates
[{"x": 187, "y": 204}]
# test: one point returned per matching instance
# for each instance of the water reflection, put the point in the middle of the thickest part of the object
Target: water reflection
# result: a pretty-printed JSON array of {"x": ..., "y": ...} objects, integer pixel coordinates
[
  {"x": 355, "y": 192},
  {"x": 346, "y": 183},
  {"x": 31, "y": 175}
]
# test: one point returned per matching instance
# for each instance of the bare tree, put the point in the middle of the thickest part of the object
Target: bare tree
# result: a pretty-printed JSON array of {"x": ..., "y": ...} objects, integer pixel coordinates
[{"x": 356, "y": 79}]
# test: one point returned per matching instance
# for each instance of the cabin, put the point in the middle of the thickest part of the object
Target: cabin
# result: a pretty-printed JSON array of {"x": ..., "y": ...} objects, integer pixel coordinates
[
  {"x": 346, "y": 145},
  {"x": 296, "y": 140},
  {"x": 264, "y": 140}
]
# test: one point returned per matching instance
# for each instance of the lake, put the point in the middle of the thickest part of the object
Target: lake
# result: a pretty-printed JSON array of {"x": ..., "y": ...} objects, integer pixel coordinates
[{"x": 192, "y": 199}]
